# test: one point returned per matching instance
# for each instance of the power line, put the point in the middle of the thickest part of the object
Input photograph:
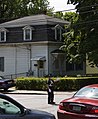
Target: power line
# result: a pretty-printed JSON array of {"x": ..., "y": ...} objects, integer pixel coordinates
[
  {"x": 89, "y": 11},
  {"x": 87, "y": 22},
  {"x": 48, "y": 18},
  {"x": 84, "y": 11},
  {"x": 77, "y": 8},
  {"x": 88, "y": 6},
  {"x": 65, "y": 11},
  {"x": 51, "y": 28},
  {"x": 93, "y": 21},
  {"x": 41, "y": 29}
]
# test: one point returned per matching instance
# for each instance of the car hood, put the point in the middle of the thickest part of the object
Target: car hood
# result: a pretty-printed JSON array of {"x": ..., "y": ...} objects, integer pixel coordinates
[
  {"x": 41, "y": 114},
  {"x": 83, "y": 100},
  {"x": 4, "y": 79}
]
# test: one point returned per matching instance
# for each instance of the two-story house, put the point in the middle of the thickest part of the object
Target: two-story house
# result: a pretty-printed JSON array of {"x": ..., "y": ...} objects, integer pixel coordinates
[{"x": 32, "y": 43}]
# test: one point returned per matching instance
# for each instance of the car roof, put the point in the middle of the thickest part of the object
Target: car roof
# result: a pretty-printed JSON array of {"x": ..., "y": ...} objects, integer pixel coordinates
[
  {"x": 4, "y": 96},
  {"x": 92, "y": 86}
]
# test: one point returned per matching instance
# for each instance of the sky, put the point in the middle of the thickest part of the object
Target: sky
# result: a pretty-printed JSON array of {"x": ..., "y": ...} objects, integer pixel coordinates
[{"x": 60, "y": 5}]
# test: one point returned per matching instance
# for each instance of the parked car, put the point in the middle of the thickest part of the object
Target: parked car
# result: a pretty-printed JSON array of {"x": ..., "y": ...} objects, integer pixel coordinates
[
  {"x": 82, "y": 105},
  {"x": 11, "y": 109},
  {"x": 6, "y": 83}
]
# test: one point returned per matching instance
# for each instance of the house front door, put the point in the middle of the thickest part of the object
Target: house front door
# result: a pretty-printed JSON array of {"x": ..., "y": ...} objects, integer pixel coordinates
[{"x": 40, "y": 68}]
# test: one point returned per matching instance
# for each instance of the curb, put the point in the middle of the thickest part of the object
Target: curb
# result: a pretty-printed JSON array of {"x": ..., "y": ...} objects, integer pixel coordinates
[
  {"x": 32, "y": 92},
  {"x": 35, "y": 92},
  {"x": 25, "y": 92}
]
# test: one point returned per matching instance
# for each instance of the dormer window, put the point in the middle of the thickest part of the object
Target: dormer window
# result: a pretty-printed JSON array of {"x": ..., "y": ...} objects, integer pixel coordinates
[
  {"x": 3, "y": 34},
  {"x": 58, "y": 32},
  {"x": 27, "y": 33}
]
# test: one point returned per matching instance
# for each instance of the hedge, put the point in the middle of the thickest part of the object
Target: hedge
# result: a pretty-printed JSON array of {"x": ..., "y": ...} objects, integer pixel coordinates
[{"x": 64, "y": 84}]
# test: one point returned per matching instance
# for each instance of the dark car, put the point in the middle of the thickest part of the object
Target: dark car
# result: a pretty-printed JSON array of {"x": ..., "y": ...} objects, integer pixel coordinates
[
  {"x": 11, "y": 109},
  {"x": 6, "y": 83},
  {"x": 82, "y": 105}
]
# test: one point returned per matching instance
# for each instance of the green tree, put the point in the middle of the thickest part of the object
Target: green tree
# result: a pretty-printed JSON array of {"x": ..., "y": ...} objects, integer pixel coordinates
[
  {"x": 39, "y": 6},
  {"x": 58, "y": 15},
  {"x": 72, "y": 17},
  {"x": 7, "y": 8},
  {"x": 11, "y": 9},
  {"x": 81, "y": 40},
  {"x": 71, "y": 41}
]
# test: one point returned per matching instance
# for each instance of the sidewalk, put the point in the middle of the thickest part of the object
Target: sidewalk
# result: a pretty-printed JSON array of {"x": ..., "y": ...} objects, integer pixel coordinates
[{"x": 34, "y": 92}]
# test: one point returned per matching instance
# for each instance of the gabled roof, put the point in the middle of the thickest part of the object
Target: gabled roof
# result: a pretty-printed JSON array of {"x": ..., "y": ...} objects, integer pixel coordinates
[
  {"x": 57, "y": 51},
  {"x": 39, "y": 58},
  {"x": 34, "y": 20}
]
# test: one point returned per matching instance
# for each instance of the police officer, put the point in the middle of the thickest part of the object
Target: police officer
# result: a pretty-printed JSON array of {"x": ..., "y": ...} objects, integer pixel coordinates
[{"x": 50, "y": 83}]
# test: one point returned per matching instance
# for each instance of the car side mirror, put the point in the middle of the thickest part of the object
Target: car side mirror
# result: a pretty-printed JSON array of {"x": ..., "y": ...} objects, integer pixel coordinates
[{"x": 26, "y": 111}]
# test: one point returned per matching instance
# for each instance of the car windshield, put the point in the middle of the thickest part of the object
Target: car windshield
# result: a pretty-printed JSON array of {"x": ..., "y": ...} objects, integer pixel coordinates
[
  {"x": 90, "y": 92},
  {"x": 1, "y": 78}
]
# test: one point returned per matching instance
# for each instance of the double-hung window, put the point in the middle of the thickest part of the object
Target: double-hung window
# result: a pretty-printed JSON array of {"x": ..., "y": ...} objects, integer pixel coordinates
[
  {"x": 2, "y": 64},
  {"x": 27, "y": 33},
  {"x": 58, "y": 32},
  {"x": 3, "y": 34}
]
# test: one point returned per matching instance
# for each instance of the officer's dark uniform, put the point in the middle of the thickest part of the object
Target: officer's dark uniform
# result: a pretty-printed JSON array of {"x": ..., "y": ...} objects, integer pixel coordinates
[{"x": 50, "y": 83}]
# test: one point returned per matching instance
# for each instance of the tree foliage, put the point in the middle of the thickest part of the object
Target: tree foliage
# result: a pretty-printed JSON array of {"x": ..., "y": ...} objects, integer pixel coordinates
[
  {"x": 81, "y": 40},
  {"x": 71, "y": 17},
  {"x": 58, "y": 15},
  {"x": 11, "y": 9}
]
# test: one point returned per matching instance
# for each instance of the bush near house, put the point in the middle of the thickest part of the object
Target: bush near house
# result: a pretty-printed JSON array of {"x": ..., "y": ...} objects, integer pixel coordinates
[{"x": 64, "y": 84}]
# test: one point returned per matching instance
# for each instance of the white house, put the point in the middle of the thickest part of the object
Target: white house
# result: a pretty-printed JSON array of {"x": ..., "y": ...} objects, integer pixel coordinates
[{"x": 32, "y": 44}]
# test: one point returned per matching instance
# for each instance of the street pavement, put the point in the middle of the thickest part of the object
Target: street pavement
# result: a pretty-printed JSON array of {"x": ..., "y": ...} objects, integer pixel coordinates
[{"x": 38, "y": 99}]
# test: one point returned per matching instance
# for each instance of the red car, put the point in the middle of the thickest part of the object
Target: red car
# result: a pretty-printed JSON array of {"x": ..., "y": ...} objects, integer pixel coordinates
[{"x": 82, "y": 105}]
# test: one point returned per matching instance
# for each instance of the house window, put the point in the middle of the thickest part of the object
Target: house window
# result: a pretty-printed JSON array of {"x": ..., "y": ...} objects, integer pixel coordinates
[
  {"x": 27, "y": 33},
  {"x": 74, "y": 67},
  {"x": 56, "y": 64},
  {"x": 79, "y": 66},
  {"x": 40, "y": 64},
  {"x": 2, "y": 64},
  {"x": 69, "y": 66},
  {"x": 2, "y": 35},
  {"x": 58, "y": 33}
]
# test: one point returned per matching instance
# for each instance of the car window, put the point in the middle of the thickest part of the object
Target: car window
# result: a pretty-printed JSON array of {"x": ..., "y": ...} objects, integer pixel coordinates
[
  {"x": 7, "y": 107},
  {"x": 0, "y": 77},
  {"x": 88, "y": 92}
]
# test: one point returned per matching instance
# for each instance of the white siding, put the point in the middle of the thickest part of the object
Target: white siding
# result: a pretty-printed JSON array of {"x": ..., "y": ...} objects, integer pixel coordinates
[
  {"x": 91, "y": 70},
  {"x": 16, "y": 60},
  {"x": 9, "y": 61},
  {"x": 23, "y": 60},
  {"x": 39, "y": 50},
  {"x": 44, "y": 50}
]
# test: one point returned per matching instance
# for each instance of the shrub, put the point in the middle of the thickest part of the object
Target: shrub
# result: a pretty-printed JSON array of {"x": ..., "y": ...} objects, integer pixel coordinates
[
  {"x": 31, "y": 83},
  {"x": 64, "y": 84}
]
